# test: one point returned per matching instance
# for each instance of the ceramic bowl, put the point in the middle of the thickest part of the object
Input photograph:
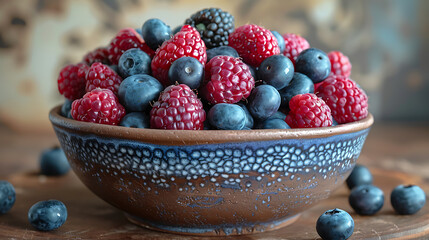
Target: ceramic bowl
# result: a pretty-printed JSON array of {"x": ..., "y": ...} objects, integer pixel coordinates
[{"x": 211, "y": 182}]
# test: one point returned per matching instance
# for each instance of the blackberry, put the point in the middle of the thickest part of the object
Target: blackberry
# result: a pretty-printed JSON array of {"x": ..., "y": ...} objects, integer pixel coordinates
[{"x": 214, "y": 26}]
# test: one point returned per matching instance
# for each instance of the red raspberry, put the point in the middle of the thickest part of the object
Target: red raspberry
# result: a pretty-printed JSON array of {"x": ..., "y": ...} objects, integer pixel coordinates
[
  {"x": 253, "y": 43},
  {"x": 340, "y": 64},
  {"x": 294, "y": 45},
  {"x": 308, "y": 111},
  {"x": 178, "y": 108},
  {"x": 186, "y": 43},
  {"x": 227, "y": 80},
  {"x": 126, "y": 39},
  {"x": 347, "y": 101},
  {"x": 102, "y": 76},
  {"x": 98, "y": 106},
  {"x": 71, "y": 81},
  {"x": 97, "y": 55}
]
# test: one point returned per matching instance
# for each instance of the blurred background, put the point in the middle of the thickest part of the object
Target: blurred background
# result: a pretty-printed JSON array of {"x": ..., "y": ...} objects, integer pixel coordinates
[{"x": 386, "y": 41}]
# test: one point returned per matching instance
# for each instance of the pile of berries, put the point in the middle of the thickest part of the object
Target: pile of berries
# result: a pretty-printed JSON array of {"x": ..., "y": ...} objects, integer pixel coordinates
[{"x": 207, "y": 74}]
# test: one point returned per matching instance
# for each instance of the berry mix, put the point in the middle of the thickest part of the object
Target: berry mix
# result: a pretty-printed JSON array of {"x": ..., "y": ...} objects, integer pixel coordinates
[{"x": 207, "y": 74}]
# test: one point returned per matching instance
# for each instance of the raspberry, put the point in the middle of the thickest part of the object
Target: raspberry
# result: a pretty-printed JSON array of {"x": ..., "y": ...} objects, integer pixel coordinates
[
  {"x": 178, "y": 108},
  {"x": 294, "y": 45},
  {"x": 126, "y": 38},
  {"x": 227, "y": 80},
  {"x": 253, "y": 43},
  {"x": 214, "y": 26},
  {"x": 340, "y": 64},
  {"x": 308, "y": 111},
  {"x": 347, "y": 101},
  {"x": 102, "y": 76},
  {"x": 185, "y": 43},
  {"x": 71, "y": 81},
  {"x": 97, "y": 55},
  {"x": 98, "y": 106}
]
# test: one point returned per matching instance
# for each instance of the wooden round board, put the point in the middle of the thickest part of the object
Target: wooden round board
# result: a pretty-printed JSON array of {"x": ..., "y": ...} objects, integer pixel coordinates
[{"x": 91, "y": 218}]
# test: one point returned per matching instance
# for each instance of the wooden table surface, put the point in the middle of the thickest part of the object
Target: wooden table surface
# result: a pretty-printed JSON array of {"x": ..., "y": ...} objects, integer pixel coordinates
[{"x": 395, "y": 152}]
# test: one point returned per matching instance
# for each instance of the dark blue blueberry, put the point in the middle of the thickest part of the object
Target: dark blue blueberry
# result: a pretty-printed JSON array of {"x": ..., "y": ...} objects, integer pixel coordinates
[
  {"x": 273, "y": 123},
  {"x": 227, "y": 116},
  {"x": 253, "y": 72},
  {"x": 137, "y": 91},
  {"x": 300, "y": 84},
  {"x": 155, "y": 32},
  {"x": 134, "y": 61},
  {"x": 135, "y": 120},
  {"x": 66, "y": 108},
  {"x": 177, "y": 29},
  {"x": 280, "y": 41},
  {"x": 359, "y": 176},
  {"x": 334, "y": 123},
  {"x": 221, "y": 51},
  {"x": 366, "y": 199},
  {"x": 115, "y": 68},
  {"x": 47, "y": 215},
  {"x": 7, "y": 197},
  {"x": 249, "y": 118},
  {"x": 278, "y": 115},
  {"x": 276, "y": 70},
  {"x": 53, "y": 162},
  {"x": 264, "y": 101},
  {"x": 314, "y": 63},
  {"x": 335, "y": 224},
  {"x": 407, "y": 199},
  {"x": 186, "y": 70}
]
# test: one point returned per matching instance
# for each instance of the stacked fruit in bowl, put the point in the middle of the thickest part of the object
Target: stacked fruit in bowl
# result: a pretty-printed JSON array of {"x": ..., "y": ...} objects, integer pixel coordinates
[{"x": 207, "y": 74}]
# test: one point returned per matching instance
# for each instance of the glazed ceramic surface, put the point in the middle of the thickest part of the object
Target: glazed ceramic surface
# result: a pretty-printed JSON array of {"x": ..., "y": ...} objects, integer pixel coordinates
[{"x": 211, "y": 182}]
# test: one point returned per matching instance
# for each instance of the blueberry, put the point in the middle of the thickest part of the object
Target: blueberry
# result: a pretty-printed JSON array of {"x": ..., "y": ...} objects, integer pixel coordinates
[
  {"x": 278, "y": 115},
  {"x": 264, "y": 101},
  {"x": 137, "y": 91},
  {"x": 280, "y": 41},
  {"x": 359, "y": 176},
  {"x": 249, "y": 119},
  {"x": 314, "y": 63},
  {"x": 186, "y": 70},
  {"x": 407, "y": 199},
  {"x": 253, "y": 72},
  {"x": 135, "y": 120},
  {"x": 115, "y": 68},
  {"x": 155, "y": 32},
  {"x": 335, "y": 224},
  {"x": 134, "y": 61},
  {"x": 227, "y": 116},
  {"x": 47, "y": 215},
  {"x": 7, "y": 197},
  {"x": 221, "y": 51},
  {"x": 276, "y": 70},
  {"x": 139, "y": 31},
  {"x": 53, "y": 162},
  {"x": 334, "y": 123},
  {"x": 300, "y": 84},
  {"x": 273, "y": 123},
  {"x": 66, "y": 108},
  {"x": 366, "y": 199},
  {"x": 177, "y": 29}
]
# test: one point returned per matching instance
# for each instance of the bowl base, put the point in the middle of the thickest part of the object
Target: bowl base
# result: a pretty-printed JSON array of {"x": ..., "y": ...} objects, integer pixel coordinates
[{"x": 218, "y": 230}]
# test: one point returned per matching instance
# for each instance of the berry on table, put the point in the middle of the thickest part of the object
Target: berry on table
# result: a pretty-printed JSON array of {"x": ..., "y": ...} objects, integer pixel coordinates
[
  {"x": 214, "y": 26},
  {"x": 221, "y": 51},
  {"x": 100, "y": 54},
  {"x": 138, "y": 91},
  {"x": 280, "y": 41},
  {"x": 177, "y": 108},
  {"x": 308, "y": 111},
  {"x": 53, "y": 162},
  {"x": 407, "y": 199},
  {"x": 300, "y": 84},
  {"x": 253, "y": 43},
  {"x": 102, "y": 76},
  {"x": 335, "y": 224},
  {"x": 366, "y": 199},
  {"x": 134, "y": 61},
  {"x": 47, "y": 215},
  {"x": 359, "y": 176},
  {"x": 294, "y": 45},
  {"x": 347, "y": 101},
  {"x": 227, "y": 80},
  {"x": 340, "y": 64},
  {"x": 185, "y": 43},
  {"x": 71, "y": 81},
  {"x": 186, "y": 70},
  {"x": 263, "y": 102},
  {"x": 276, "y": 70},
  {"x": 227, "y": 116},
  {"x": 7, "y": 196},
  {"x": 135, "y": 120},
  {"x": 314, "y": 63},
  {"x": 98, "y": 106},
  {"x": 155, "y": 32}
]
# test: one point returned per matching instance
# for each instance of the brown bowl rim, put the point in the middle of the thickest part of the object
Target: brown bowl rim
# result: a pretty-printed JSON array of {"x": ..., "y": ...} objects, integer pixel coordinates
[{"x": 192, "y": 137}]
